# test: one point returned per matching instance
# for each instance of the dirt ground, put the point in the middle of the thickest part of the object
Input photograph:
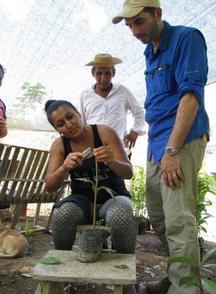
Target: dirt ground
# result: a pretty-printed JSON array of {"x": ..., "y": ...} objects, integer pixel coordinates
[{"x": 16, "y": 278}]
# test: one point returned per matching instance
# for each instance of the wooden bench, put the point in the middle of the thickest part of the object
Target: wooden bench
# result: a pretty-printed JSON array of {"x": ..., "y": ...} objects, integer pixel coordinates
[
  {"x": 112, "y": 269},
  {"x": 22, "y": 172}
]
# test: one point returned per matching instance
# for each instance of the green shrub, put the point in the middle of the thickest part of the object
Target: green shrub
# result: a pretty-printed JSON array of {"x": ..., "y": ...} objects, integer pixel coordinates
[
  {"x": 206, "y": 184},
  {"x": 139, "y": 191},
  {"x": 208, "y": 268}
]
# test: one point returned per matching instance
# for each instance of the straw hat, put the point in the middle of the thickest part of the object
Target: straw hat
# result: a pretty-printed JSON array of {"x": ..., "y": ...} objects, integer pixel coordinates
[{"x": 103, "y": 59}]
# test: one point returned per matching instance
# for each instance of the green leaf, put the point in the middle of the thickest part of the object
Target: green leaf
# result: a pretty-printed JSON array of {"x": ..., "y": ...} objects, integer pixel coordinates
[
  {"x": 48, "y": 260},
  {"x": 188, "y": 281},
  {"x": 182, "y": 259},
  {"x": 139, "y": 191},
  {"x": 209, "y": 285},
  {"x": 38, "y": 289},
  {"x": 122, "y": 266},
  {"x": 203, "y": 229},
  {"x": 207, "y": 256},
  {"x": 101, "y": 222},
  {"x": 32, "y": 233},
  {"x": 206, "y": 184},
  {"x": 27, "y": 230}
]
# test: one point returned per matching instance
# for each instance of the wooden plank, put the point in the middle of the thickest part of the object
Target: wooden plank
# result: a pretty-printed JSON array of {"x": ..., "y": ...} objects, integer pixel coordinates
[
  {"x": 12, "y": 194},
  {"x": 47, "y": 228},
  {"x": 5, "y": 160},
  {"x": 105, "y": 271},
  {"x": 33, "y": 176},
  {"x": 28, "y": 172},
  {"x": 13, "y": 162},
  {"x": 52, "y": 288},
  {"x": 39, "y": 175},
  {"x": 37, "y": 213},
  {"x": 22, "y": 180},
  {"x": 25, "y": 172},
  {"x": 16, "y": 214},
  {"x": 40, "y": 190},
  {"x": 22, "y": 156},
  {"x": 23, "y": 147},
  {"x": 22, "y": 172},
  {"x": 4, "y": 170},
  {"x": 118, "y": 289},
  {"x": 2, "y": 147}
]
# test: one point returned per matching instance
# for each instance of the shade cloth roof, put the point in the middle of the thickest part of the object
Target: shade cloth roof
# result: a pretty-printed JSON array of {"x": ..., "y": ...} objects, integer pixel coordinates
[{"x": 50, "y": 41}]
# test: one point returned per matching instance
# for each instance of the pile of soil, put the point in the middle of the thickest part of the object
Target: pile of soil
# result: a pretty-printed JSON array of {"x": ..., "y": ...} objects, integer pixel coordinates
[{"x": 16, "y": 278}]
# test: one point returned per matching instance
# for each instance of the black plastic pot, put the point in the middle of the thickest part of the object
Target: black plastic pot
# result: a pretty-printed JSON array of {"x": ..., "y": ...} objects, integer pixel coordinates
[
  {"x": 143, "y": 224},
  {"x": 147, "y": 224},
  {"x": 90, "y": 245},
  {"x": 141, "y": 227}
]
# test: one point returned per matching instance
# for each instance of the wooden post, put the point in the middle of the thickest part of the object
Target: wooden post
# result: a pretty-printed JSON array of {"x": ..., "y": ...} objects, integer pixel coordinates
[
  {"x": 118, "y": 289},
  {"x": 37, "y": 213},
  {"x": 52, "y": 287}
]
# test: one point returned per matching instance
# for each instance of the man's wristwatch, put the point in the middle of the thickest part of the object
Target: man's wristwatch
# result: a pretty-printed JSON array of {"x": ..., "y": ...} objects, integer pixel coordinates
[{"x": 171, "y": 151}]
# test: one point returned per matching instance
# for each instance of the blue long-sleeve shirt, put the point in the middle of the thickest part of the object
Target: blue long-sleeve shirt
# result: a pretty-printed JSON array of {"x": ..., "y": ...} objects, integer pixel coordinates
[{"x": 179, "y": 66}]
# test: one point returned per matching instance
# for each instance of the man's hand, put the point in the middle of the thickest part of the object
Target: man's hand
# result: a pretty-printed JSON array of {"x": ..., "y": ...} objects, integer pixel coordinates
[
  {"x": 171, "y": 171},
  {"x": 130, "y": 139}
]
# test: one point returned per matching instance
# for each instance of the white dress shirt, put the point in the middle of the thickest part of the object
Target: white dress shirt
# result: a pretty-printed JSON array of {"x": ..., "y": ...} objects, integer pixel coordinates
[{"x": 112, "y": 110}]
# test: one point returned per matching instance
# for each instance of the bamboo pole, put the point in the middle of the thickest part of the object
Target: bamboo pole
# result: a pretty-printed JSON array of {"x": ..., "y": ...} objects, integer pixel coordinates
[{"x": 95, "y": 194}]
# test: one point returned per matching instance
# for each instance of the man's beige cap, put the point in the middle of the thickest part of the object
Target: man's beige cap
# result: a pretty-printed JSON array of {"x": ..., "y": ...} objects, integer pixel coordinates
[
  {"x": 133, "y": 7},
  {"x": 103, "y": 59}
]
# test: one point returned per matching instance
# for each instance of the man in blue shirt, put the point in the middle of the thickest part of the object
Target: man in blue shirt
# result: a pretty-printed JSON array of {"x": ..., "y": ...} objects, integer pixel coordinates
[{"x": 176, "y": 73}]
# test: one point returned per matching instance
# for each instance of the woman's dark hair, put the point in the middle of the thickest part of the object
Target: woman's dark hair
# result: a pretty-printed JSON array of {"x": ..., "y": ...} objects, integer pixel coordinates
[
  {"x": 2, "y": 69},
  {"x": 53, "y": 105}
]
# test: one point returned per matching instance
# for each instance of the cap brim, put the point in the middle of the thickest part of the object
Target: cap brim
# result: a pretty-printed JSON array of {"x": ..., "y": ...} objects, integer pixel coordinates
[
  {"x": 117, "y": 19},
  {"x": 127, "y": 13}
]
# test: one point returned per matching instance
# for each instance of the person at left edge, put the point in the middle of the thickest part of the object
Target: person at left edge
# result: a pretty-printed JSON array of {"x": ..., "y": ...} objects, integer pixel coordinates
[{"x": 3, "y": 125}]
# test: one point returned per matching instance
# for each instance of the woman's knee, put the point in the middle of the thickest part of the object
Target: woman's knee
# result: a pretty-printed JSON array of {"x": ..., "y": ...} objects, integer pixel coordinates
[
  {"x": 68, "y": 212},
  {"x": 64, "y": 223},
  {"x": 120, "y": 206}
]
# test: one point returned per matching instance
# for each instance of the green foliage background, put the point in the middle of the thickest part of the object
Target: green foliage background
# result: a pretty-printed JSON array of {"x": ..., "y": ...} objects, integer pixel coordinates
[{"x": 139, "y": 191}]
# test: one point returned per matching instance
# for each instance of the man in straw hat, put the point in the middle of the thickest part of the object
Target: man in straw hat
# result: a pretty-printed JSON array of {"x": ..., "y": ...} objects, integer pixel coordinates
[
  {"x": 176, "y": 74},
  {"x": 108, "y": 103}
]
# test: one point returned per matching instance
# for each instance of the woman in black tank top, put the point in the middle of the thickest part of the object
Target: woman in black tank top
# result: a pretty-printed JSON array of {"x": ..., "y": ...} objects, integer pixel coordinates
[
  {"x": 113, "y": 166},
  {"x": 66, "y": 154}
]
